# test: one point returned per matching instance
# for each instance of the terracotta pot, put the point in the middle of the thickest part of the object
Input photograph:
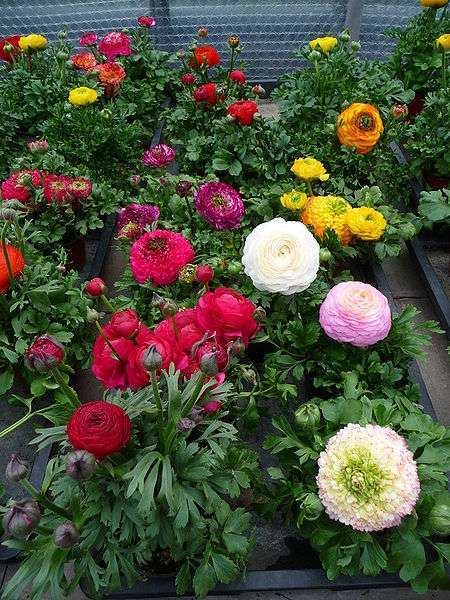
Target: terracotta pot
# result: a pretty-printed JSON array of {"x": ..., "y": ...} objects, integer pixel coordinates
[
  {"x": 76, "y": 250},
  {"x": 436, "y": 182},
  {"x": 416, "y": 106}
]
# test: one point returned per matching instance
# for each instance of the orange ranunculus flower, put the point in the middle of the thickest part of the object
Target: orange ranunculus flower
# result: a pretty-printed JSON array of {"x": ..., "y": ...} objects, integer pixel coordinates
[
  {"x": 360, "y": 126},
  {"x": 17, "y": 264}
]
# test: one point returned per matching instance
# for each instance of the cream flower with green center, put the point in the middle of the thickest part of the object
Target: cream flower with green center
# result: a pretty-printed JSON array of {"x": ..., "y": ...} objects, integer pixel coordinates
[{"x": 368, "y": 478}]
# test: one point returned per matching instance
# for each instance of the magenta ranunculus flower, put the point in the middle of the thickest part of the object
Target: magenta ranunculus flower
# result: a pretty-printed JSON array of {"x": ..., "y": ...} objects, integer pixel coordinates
[
  {"x": 89, "y": 38},
  {"x": 158, "y": 256},
  {"x": 146, "y": 21},
  {"x": 158, "y": 156},
  {"x": 134, "y": 218},
  {"x": 115, "y": 43},
  {"x": 356, "y": 313},
  {"x": 220, "y": 205}
]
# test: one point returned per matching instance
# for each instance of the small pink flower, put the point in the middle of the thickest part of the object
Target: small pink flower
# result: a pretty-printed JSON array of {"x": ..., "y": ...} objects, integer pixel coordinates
[
  {"x": 115, "y": 43},
  {"x": 146, "y": 21},
  {"x": 212, "y": 407},
  {"x": 356, "y": 313},
  {"x": 95, "y": 287},
  {"x": 88, "y": 39},
  {"x": 158, "y": 156},
  {"x": 37, "y": 146},
  {"x": 134, "y": 218}
]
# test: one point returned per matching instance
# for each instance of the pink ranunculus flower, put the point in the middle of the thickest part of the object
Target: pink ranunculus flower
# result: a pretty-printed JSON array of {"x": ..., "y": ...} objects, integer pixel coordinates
[
  {"x": 158, "y": 156},
  {"x": 220, "y": 205},
  {"x": 356, "y": 313},
  {"x": 89, "y": 38},
  {"x": 146, "y": 21},
  {"x": 115, "y": 43},
  {"x": 140, "y": 215},
  {"x": 106, "y": 367},
  {"x": 37, "y": 146}
]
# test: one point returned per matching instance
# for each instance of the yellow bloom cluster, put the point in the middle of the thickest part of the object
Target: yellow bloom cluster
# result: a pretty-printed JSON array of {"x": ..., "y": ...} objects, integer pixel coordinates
[
  {"x": 434, "y": 3},
  {"x": 32, "y": 42},
  {"x": 294, "y": 200},
  {"x": 309, "y": 168},
  {"x": 81, "y": 96},
  {"x": 324, "y": 43},
  {"x": 366, "y": 223},
  {"x": 443, "y": 42}
]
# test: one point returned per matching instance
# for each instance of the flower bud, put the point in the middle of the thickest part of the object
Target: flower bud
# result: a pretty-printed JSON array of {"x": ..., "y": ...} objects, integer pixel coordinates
[
  {"x": 249, "y": 375},
  {"x": 399, "y": 111},
  {"x": 235, "y": 267},
  {"x": 181, "y": 54},
  {"x": 92, "y": 315},
  {"x": 324, "y": 255},
  {"x": 237, "y": 347},
  {"x": 152, "y": 359},
  {"x": 355, "y": 46},
  {"x": 204, "y": 274},
  {"x": 202, "y": 32},
  {"x": 61, "y": 268},
  {"x": 16, "y": 469},
  {"x": 21, "y": 518},
  {"x": 330, "y": 128},
  {"x": 259, "y": 314},
  {"x": 440, "y": 516},
  {"x": 185, "y": 424},
  {"x": 62, "y": 34},
  {"x": 66, "y": 535},
  {"x": 208, "y": 364},
  {"x": 95, "y": 287},
  {"x": 315, "y": 55},
  {"x": 62, "y": 55},
  {"x": 212, "y": 407},
  {"x": 80, "y": 465},
  {"x": 25, "y": 179},
  {"x": 106, "y": 114},
  {"x": 187, "y": 274},
  {"x": 310, "y": 507},
  {"x": 163, "y": 181},
  {"x": 307, "y": 416},
  {"x": 44, "y": 354},
  {"x": 344, "y": 36},
  {"x": 8, "y": 214},
  {"x": 196, "y": 414},
  {"x": 258, "y": 90},
  {"x": 158, "y": 301},
  {"x": 135, "y": 180},
  {"x": 188, "y": 79},
  {"x": 233, "y": 41},
  {"x": 8, "y": 48},
  {"x": 183, "y": 188},
  {"x": 169, "y": 308}
]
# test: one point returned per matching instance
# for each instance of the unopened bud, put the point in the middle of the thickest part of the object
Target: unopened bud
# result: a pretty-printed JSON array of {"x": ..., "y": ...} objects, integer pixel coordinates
[
  {"x": 183, "y": 188},
  {"x": 106, "y": 114},
  {"x": 307, "y": 416},
  {"x": 315, "y": 55},
  {"x": 61, "y": 268},
  {"x": 187, "y": 273},
  {"x": 202, "y": 32},
  {"x": 344, "y": 36},
  {"x": 8, "y": 48},
  {"x": 135, "y": 180},
  {"x": 233, "y": 41},
  {"x": 258, "y": 90},
  {"x": 25, "y": 179},
  {"x": 92, "y": 315},
  {"x": 212, "y": 407},
  {"x": 158, "y": 301},
  {"x": 169, "y": 308},
  {"x": 204, "y": 273},
  {"x": 80, "y": 465},
  {"x": 62, "y": 55},
  {"x": 399, "y": 111},
  {"x": 324, "y": 255},
  {"x": 21, "y": 518},
  {"x": 44, "y": 354},
  {"x": 16, "y": 469},
  {"x": 237, "y": 347},
  {"x": 259, "y": 314},
  {"x": 355, "y": 46},
  {"x": 249, "y": 375},
  {"x": 208, "y": 364},
  {"x": 66, "y": 535},
  {"x": 185, "y": 424},
  {"x": 62, "y": 34},
  {"x": 181, "y": 54},
  {"x": 152, "y": 359},
  {"x": 8, "y": 214}
]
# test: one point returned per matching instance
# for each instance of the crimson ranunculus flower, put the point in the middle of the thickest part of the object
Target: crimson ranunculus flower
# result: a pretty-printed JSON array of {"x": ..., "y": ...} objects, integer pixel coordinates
[
  {"x": 106, "y": 367},
  {"x": 44, "y": 354},
  {"x": 146, "y": 21},
  {"x": 204, "y": 55},
  {"x": 238, "y": 77},
  {"x": 115, "y": 43},
  {"x": 188, "y": 79},
  {"x": 158, "y": 156},
  {"x": 80, "y": 188},
  {"x": 207, "y": 93},
  {"x": 134, "y": 218},
  {"x": 212, "y": 407},
  {"x": 8, "y": 55},
  {"x": 243, "y": 111},
  {"x": 158, "y": 256},
  {"x": 16, "y": 262},
  {"x": 84, "y": 60},
  {"x": 95, "y": 287},
  {"x": 99, "y": 427},
  {"x": 228, "y": 314},
  {"x": 188, "y": 330},
  {"x": 57, "y": 187},
  {"x": 123, "y": 324},
  {"x": 20, "y": 184},
  {"x": 89, "y": 38}
]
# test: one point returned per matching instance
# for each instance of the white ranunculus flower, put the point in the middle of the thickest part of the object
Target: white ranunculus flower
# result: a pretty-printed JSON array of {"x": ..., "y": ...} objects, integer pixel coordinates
[{"x": 281, "y": 256}]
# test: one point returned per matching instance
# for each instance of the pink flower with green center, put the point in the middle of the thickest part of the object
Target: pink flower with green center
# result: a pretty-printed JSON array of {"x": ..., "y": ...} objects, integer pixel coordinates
[
  {"x": 220, "y": 205},
  {"x": 134, "y": 218},
  {"x": 158, "y": 156}
]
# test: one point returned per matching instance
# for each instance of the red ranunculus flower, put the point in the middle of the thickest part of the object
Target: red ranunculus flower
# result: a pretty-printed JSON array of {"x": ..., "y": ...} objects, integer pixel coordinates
[
  {"x": 228, "y": 314},
  {"x": 207, "y": 93},
  {"x": 81, "y": 188},
  {"x": 106, "y": 367},
  {"x": 95, "y": 287},
  {"x": 188, "y": 79},
  {"x": 188, "y": 330},
  {"x": 12, "y": 40},
  {"x": 209, "y": 347},
  {"x": 84, "y": 60},
  {"x": 238, "y": 77},
  {"x": 20, "y": 184},
  {"x": 123, "y": 324},
  {"x": 146, "y": 21},
  {"x": 115, "y": 43},
  {"x": 58, "y": 188},
  {"x": 243, "y": 111},
  {"x": 89, "y": 38},
  {"x": 44, "y": 354},
  {"x": 205, "y": 55},
  {"x": 99, "y": 427}
]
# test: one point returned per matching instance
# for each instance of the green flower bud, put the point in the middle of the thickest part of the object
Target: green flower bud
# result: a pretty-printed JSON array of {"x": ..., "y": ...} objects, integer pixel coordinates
[
  {"x": 324, "y": 255},
  {"x": 307, "y": 416},
  {"x": 315, "y": 55},
  {"x": 62, "y": 55},
  {"x": 208, "y": 364},
  {"x": 21, "y": 518},
  {"x": 235, "y": 267},
  {"x": 440, "y": 515},
  {"x": 66, "y": 535},
  {"x": 17, "y": 468},
  {"x": 62, "y": 34},
  {"x": 355, "y": 46},
  {"x": 152, "y": 359}
]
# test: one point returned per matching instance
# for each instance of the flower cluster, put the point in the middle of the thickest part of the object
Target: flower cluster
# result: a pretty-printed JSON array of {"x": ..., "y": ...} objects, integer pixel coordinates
[
  {"x": 368, "y": 478},
  {"x": 218, "y": 320}
]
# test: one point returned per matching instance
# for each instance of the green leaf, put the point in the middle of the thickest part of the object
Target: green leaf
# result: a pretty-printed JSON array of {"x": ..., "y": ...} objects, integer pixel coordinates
[
  {"x": 226, "y": 570},
  {"x": 373, "y": 558},
  {"x": 204, "y": 579},
  {"x": 183, "y": 579},
  {"x": 6, "y": 381},
  {"x": 409, "y": 551}
]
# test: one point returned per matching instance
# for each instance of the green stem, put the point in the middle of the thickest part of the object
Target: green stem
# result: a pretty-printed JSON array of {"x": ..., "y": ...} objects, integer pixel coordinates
[
  {"x": 155, "y": 390},
  {"x": 18, "y": 423},
  {"x": 5, "y": 254},
  {"x": 107, "y": 303},
  {"x": 310, "y": 189},
  {"x": 41, "y": 499},
  {"x": 444, "y": 69},
  {"x": 195, "y": 396},
  {"x": 232, "y": 59},
  {"x": 108, "y": 342},
  {"x": 70, "y": 393},
  {"x": 19, "y": 236}
]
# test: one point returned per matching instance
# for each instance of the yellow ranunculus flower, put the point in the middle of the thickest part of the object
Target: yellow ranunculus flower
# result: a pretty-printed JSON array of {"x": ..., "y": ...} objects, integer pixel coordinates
[
  {"x": 81, "y": 96},
  {"x": 366, "y": 223},
  {"x": 443, "y": 42},
  {"x": 309, "y": 168},
  {"x": 33, "y": 42},
  {"x": 322, "y": 212},
  {"x": 433, "y": 3},
  {"x": 294, "y": 200},
  {"x": 324, "y": 43}
]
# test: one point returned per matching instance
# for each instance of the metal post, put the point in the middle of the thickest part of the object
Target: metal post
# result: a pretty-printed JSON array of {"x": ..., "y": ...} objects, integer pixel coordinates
[{"x": 353, "y": 18}]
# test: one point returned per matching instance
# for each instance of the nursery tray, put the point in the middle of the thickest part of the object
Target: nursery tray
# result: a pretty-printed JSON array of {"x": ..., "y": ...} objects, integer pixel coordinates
[
  {"x": 281, "y": 560},
  {"x": 97, "y": 247},
  {"x": 425, "y": 247}
]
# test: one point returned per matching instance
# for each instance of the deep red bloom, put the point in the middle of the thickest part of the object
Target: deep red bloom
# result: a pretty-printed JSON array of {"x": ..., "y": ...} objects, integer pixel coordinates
[
  {"x": 95, "y": 287},
  {"x": 123, "y": 324},
  {"x": 12, "y": 40},
  {"x": 81, "y": 188},
  {"x": 243, "y": 111},
  {"x": 44, "y": 353},
  {"x": 17, "y": 263},
  {"x": 106, "y": 367},
  {"x": 19, "y": 185},
  {"x": 99, "y": 427},
  {"x": 188, "y": 331},
  {"x": 207, "y": 93},
  {"x": 212, "y": 407},
  {"x": 228, "y": 314},
  {"x": 146, "y": 21},
  {"x": 205, "y": 55},
  {"x": 159, "y": 255},
  {"x": 204, "y": 273},
  {"x": 238, "y": 77},
  {"x": 57, "y": 188},
  {"x": 84, "y": 60},
  {"x": 188, "y": 79},
  {"x": 115, "y": 43}
]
